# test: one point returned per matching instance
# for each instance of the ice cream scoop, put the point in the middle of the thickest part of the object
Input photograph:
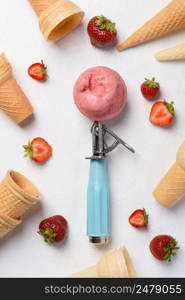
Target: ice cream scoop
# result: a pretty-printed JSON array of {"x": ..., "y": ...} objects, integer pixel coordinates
[{"x": 100, "y": 93}]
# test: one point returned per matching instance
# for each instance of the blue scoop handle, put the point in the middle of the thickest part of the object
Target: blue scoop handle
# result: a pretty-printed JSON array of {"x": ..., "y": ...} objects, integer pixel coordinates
[{"x": 98, "y": 200}]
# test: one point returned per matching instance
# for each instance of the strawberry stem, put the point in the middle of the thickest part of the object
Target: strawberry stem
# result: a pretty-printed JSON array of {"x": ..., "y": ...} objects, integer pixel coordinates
[
  {"x": 169, "y": 250},
  {"x": 152, "y": 83},
  {"x": 44, "y": 68},
  {"x": 28, "y": 150},
  {"x": 105, "y": 24},
  {"x": 170, "y": 107},
  {"x": 145, "y": 217},
  {"x": 48, "y": 234}
]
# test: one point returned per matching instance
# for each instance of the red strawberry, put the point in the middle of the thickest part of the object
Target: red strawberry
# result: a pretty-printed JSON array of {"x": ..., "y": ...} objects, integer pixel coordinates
[
  {"x": 38, "y": 149},
  {"x": 102, "y": 32},
  {"x": 53, "y": 229},
  {"x": 38, "y": 71},
  {"x": 163, "y": 246},
  {"x": 139, "y": 218},
  {"x": 162, "y": 113},
  {"x": 150, "y": 89}
]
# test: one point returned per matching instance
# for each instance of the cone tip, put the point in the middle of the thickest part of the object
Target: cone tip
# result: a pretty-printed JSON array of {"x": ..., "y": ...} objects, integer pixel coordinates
[
  {"x": 158, "y": 56},
  {"x": 122, "y": 47}
]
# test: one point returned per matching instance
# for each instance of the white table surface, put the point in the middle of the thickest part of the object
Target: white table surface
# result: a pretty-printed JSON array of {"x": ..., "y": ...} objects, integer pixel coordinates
[{"x": 63, "y": 179}]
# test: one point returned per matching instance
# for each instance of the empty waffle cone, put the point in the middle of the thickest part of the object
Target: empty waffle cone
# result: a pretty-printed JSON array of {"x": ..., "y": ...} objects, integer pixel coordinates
[
  {"x": 12, "y": 99},
  {"x": 114, "y": 264},
  {"x": 57, "y": 18},
  {"x": 17, "y": 195},
  {"x": 173, "y": 53},
  {"x": 7, "y": 224},
  {"x": 172, "y": 187},
  {"x": 168, "y": 20}
]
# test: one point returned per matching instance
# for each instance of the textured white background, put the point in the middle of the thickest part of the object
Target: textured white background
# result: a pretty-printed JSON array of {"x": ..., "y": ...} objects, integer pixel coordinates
[{"x": 63, "y": 179}]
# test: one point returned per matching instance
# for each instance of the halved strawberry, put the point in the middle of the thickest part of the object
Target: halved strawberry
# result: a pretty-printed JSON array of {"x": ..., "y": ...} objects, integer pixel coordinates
[
  {"x": 162, "y": 113},
  {"x": 38, "y": 71},
  {"x": 139, "y": 218},
  {"x": 38, "y": 149}
]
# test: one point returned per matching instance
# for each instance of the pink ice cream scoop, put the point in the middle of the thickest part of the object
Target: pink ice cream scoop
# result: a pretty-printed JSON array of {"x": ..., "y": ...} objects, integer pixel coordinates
[{"x": 100, "y": 93}]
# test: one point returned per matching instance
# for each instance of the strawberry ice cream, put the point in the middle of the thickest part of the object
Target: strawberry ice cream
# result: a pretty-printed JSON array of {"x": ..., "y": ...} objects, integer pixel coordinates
[{"x": 100, "y": 93}]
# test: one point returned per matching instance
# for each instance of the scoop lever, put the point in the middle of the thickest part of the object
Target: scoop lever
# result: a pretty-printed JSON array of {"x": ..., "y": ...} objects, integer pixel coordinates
[{"x": 99, "y": 144}]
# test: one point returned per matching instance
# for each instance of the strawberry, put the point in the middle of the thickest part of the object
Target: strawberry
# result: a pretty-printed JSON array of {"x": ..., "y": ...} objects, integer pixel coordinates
[
  {"x": 139, "y": 218},
  {"x": 102, "y": 32},
  {"x": 38, "y": 71},
  {"x": 162, "y": 113},
  {"x": 38, "y": 149},
  {"x": 163, "y": 246},
  {"x": 150, "y": 89},
  {"x": 53, "y": 229}
]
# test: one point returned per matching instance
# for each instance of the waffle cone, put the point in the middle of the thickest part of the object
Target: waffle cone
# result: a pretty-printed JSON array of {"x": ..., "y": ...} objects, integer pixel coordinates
[
  {"x": 168, "y": 20},
  {"x": 87, "y": 273},
  {"x": 172, "y": 186},
  {"x": 40, "y": 5},
  {"x": 17, "y": 195},
  {"x": 12, "y": 99},
  {"x": 7, "y": 224},
  {"x": 57, "y": 18},
  {"x": 114, "y": 264},
  {"x": 173, "y": 53}
]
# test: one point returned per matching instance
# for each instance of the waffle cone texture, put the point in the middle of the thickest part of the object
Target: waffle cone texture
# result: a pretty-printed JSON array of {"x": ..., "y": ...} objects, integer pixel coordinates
[
  {"x": 172, "y": 186},
  {"x": 57, "y": 18},
  {"x": 172, "y": 54},
  {"x": 17, "y": 195},
  {"x": 113, "y": 264},
  {"x": 13, "y": 101},
  {"x": 168, "y": 20}
]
